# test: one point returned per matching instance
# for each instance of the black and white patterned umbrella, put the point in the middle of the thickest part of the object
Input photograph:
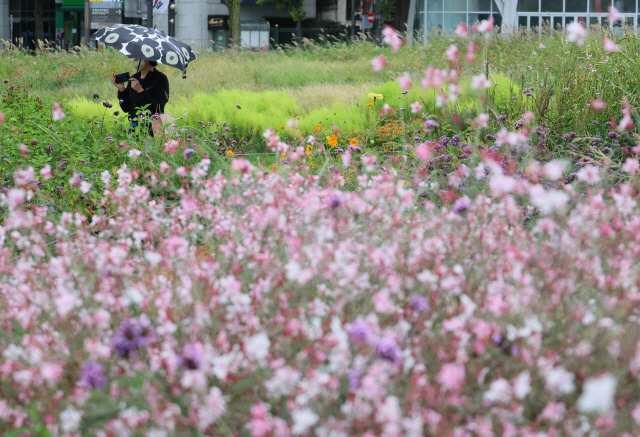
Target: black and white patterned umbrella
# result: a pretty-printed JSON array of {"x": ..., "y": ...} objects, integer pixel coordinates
[{"x": 139, "y": 42}]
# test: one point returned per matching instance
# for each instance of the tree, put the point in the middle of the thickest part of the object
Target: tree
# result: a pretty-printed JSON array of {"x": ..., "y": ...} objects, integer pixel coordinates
[
  {"x": 38, "y": 33},
  {"x": 234, "y": 21},
  {"x": 296, "y": 11},
  {"x": 508, "y": 10},
  {"x": 397, "y": 11}
]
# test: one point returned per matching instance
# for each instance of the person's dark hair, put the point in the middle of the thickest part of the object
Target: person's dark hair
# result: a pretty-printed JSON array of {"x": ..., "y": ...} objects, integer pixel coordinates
[{"x": 153, "y": 63}]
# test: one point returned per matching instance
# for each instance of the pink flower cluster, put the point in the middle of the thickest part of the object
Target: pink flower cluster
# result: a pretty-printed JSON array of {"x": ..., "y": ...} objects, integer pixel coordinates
[{"x": 277, "y": 305}]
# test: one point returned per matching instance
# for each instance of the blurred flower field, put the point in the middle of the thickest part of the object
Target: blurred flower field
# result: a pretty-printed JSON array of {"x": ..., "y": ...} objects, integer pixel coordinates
[{"x": 440, "y": 272}]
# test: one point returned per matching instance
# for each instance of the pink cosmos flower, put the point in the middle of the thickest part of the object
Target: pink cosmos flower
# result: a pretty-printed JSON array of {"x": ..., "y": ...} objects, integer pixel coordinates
[
  {"x": 610, "y": 46},
  {"x": 379, "y": 62},
  {"x": 1, "y": 118},
  {"x": 625, "y": 122},
  {"x": 423, "y": 152},
  {"x": 405, "y": 81},
  {"x": 46, "y": 172},
  {"x": 387, "y": 109},
  {"x": 57, "y": 112},
  {"x": 451, "y": 376},
  {"x": 553, "y": 412},
  {"x": 631, "y": 165},
  {"x": 452, "y": 52},
  {"x": 482, "y": 120},
  {"x": 576, "y": 33},
  {"x": 23, "y": 177},
  {"x": 486, "y": 26},
  {"x": 598, "y": 105},
  {"x": 415, "y": 107},
  {"x": 613, "y": 15},
  {"x": 382, "y": 303},
  {"x": 241, "y": 165},
  {"x": 171, "y": 147},
  {"x": 85, "y": 187},
  {"x": 480, "y": 82},
  {"x": 462, "y": 30},
  {"x": 470, "y": 53},
  {"x": 589, "y": 174},
  {"x": 390, "y": 36}
]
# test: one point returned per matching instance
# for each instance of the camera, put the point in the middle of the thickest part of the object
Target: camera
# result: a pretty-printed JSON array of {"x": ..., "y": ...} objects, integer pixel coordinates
[{"x": 123, "y": 77}]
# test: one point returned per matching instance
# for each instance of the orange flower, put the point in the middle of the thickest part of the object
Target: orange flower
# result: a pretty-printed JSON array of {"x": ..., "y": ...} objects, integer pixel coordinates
[
  {"x": 332, "y": 141},
  {"x": 369, "y": 105},
  {"x": 282, "y": 155},
  {"x": 229, "y": 152},
  {"x": 281, "y": 126}
]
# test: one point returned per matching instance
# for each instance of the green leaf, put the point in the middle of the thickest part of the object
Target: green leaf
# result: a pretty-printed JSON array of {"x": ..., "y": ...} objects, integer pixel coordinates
[
  {"x": 91, "y": 421},
  {"x": 16, "y": 432}
]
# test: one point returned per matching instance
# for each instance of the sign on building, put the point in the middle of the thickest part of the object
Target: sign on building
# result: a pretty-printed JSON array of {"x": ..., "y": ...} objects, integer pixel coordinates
[{"x": 105, "y": 13}]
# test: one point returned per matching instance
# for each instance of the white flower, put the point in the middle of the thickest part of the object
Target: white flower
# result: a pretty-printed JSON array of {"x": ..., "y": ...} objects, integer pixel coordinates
[
  {"x": 303, "y": 420},
  {"x": 554, "y": 169},
  {"x": 589, "y": 174},
  {"x": 522, "y": 385},
  {"x": 499, "y": 392},
  {"x": 257, "y": 347},
  {"x": 597, "y": 394},
  {"x": 134, "y": 152},
  {"x": 559, "y": 380},
  {"x": 576, "y": 33},
  {"x": 85, "y": 187},
  {"x": 70, "y": 419}
]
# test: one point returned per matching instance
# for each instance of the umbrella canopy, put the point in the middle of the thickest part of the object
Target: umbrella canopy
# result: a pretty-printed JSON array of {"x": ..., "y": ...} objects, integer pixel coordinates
[{"x": 139, "y": 42}]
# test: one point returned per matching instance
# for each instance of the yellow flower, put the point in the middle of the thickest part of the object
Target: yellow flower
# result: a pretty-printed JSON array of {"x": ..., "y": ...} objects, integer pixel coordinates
[
  {"x": 369, "y": 105},
  {"x": 229, "y": 152},
  {"x": 319, "y": 126},
  {"x": 308, "y": 150},
  {"x": 375, "y": 96}
]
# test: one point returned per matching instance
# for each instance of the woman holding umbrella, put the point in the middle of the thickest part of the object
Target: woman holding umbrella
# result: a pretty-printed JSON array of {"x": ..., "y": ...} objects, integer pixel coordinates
[{"x": 147, "y": 89}]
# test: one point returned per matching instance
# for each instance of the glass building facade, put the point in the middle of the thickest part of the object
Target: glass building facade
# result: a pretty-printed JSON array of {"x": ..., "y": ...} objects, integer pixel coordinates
[{"x": 445, "y": 15}]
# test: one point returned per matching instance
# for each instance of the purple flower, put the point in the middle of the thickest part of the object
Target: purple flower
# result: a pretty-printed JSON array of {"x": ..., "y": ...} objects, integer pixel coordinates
[
  {"x": 190, "y": 357},
  {"x": 461, "y": 205},
  {"x": 131, "y": 334},
  {"x": 106, "y": 104},
  {"x": 96, "y": 95},
  {"x": 354, "y": 377},
  {"x": 335, "y": 201},
  {"x": 419, "y": 303},
  {"x": 188, "y": 153},
  {"x": 496, "y": 339},
  {"x": 387, "y": 349},
  {"x": 93, "y": 375},
  {"x": 430, "y": 123},
  {"x": 358, "y": 330}
]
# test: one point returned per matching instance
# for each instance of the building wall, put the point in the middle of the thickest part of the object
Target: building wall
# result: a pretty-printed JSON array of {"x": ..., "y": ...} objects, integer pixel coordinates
[
  {"x": 5, "y": 27},
  {"x": 192, "y": 16}
]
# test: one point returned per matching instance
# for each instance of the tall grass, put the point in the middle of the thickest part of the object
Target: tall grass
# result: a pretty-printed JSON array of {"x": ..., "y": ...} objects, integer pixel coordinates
[{"x": 317, "y": 81}]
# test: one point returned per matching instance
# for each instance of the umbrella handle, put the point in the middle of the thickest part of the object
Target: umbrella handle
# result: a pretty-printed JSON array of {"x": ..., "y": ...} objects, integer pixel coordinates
[{"x": 184, "y": 73}]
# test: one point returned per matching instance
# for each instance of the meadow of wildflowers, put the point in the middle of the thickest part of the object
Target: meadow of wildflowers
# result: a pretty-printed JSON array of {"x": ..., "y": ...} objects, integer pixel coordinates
[{"x": 490, "y": 292}]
